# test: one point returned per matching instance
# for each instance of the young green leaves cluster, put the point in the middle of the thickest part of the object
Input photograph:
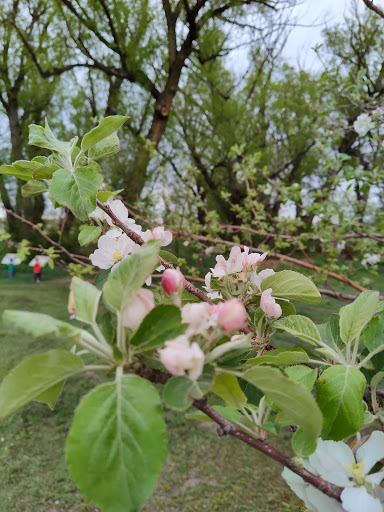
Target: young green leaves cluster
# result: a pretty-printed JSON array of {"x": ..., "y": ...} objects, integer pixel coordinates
[{"x": 71, "y": 173}]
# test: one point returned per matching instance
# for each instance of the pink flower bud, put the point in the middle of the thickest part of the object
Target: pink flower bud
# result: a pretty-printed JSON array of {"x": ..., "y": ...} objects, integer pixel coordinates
[
  {"x": 140, "y": 304},
  {"x": 173, "y": 281},
  {"x": 269, "y": 305},
  {"x": 231, "y": 315},
  {"x": 181, "y": 357}
]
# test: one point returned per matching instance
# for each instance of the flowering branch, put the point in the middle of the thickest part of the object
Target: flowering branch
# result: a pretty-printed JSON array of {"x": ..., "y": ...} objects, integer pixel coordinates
[{"x": 139, "y": 241}]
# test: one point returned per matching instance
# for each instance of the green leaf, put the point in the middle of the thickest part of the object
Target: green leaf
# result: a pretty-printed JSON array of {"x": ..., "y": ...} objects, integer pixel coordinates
[
  {"x": 51, "y": 395},
  {"x": 330, "y": 332},
  {"x": 106, "y": 147},
  {"x": 228, "y": 389},
  {"x": 299, "y": 326},
  {"x": 45, "y": 172},
  {"x": 104, "y": 195},
  {"x": 89, "y": 234},
  {"x": 228, "y": 413},
  {"x": 117, "y": 444},
  {"x": 303, "y": 445},
  {"x": 38, "y": 324},
  {"x": 44, "y": 138},
  {"x": 161, "y": 324},
  {"x": 77, "y": 190},
  {"x": 374, "y": 333},
  {"x": 180, "y": 391},
  {"x": 355, "y": 316},
  {"x": 291, "y": 285},
  {"x": 9, "y": 170},
  {"x": 130, "y": 275},
  {"x": 303, "y": 374},
  {"x": 287, "y": 308},
  {"x": 293, "y": 398},
  {"x": 34, "y": 375},
  {"x": 87, "y": 299},
  {"x": 340, "y": 391},
  {"x": 168, "y": 256},
  {"x": 281, "y": 357},
  {"x": 101, "y": 278},
  {"x": 106, "y": 127},
  {"x": 33, "y": 188}
]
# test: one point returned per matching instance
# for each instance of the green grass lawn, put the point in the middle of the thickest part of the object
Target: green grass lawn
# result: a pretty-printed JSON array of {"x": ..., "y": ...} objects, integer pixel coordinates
[{"x": 202, "y": 473}]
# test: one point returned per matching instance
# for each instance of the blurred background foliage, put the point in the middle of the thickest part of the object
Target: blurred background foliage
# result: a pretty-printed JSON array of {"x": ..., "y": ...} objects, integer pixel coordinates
[{"x": 226, "y": 139}]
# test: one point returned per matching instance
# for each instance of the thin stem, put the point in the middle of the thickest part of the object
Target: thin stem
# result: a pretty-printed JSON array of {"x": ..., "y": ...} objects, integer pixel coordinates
[
  {"x": 121, "y": 337},
  {"x": 355, "y": 349},
  {"x": 369, "y": 356},
  {"x": 99, "y": 334}
]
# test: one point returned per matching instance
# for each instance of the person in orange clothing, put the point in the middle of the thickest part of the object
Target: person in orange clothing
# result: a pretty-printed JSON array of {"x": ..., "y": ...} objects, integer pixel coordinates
[{"x": 37, "y": 271}]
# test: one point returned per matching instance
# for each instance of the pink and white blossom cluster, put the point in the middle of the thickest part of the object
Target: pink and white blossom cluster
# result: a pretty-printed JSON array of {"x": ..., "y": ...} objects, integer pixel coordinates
[{"x": 228, "y": 316}]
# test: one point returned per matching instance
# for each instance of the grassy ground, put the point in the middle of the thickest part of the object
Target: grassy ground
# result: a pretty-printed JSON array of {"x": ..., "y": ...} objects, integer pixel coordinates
[{"x": 202, "y": 472}]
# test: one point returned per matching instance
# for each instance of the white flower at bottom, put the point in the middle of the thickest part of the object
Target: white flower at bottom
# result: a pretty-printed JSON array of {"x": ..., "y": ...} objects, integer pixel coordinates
[
  {"x": 337, "y": 463},
  {"x": 111, "y": 250}
]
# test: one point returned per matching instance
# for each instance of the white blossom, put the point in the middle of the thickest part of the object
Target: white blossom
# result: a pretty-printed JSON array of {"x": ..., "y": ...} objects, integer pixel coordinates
[
  {"x": 370, "y": 259},
  {"x": 363, "y": 124},
  {"x": 111, "y": 250}
]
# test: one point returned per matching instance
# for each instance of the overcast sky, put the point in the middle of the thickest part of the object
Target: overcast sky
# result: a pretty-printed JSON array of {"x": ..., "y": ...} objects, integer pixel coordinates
[{"x": 319, "y": 14}]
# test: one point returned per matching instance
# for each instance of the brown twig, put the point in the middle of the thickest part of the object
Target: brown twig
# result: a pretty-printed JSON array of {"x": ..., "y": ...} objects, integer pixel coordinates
[
  {"x": 63, "y": 224},
  {"x": 73, "y": 257}
]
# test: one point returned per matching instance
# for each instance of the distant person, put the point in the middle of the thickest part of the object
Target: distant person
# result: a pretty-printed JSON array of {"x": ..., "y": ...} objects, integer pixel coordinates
[
  {"x": 37, "y": 272},
  {"x": 11, "y": 269}
]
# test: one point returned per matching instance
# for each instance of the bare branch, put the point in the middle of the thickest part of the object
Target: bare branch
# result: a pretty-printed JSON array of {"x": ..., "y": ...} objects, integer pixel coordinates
[{"x": 374, "y": 8}]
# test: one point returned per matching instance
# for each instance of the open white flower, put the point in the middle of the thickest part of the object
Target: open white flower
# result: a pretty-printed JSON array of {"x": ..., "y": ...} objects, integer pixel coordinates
[
  {"x": 111, "y": 250},
  {"x": 363, "y": 124},
  {"x": 337, "y": 463}
]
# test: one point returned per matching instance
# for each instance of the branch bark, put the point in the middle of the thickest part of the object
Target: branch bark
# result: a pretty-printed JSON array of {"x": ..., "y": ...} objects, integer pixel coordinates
[{"x": 374, "y": 8}]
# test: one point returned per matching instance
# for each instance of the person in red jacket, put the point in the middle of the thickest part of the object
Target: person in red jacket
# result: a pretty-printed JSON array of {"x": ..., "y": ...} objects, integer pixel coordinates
[{"x": 37, "y": 271}]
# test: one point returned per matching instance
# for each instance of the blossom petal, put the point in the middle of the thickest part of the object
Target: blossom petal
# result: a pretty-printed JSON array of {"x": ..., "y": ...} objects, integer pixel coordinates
[
  {"x": 330, "y": 460},
  {"x": 358, "y": 499},
  {"x": 371, "y": 451}
]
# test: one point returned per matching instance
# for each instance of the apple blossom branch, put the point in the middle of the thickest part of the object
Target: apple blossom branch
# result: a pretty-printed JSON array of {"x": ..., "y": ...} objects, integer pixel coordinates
[
  {"x": 288, "y": 259},
  {"x": 228, "y": 428},
  {"x": 138, "y": 240}
]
